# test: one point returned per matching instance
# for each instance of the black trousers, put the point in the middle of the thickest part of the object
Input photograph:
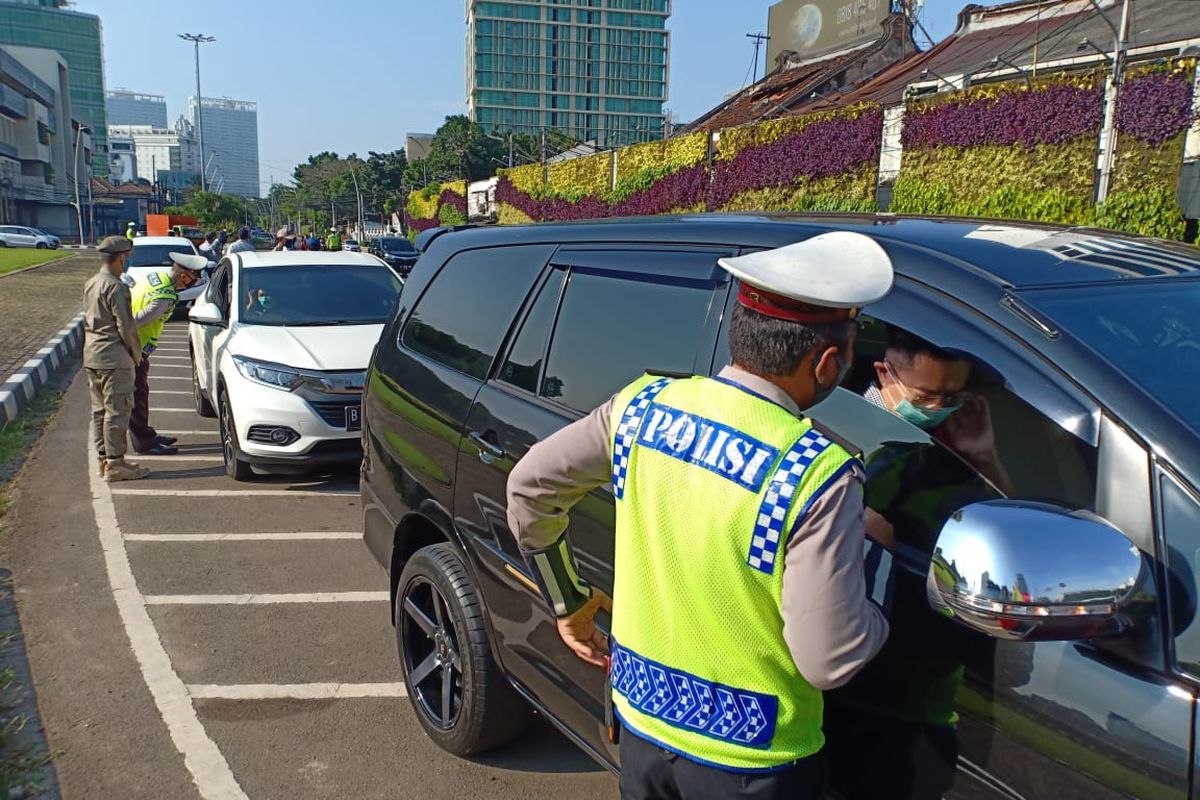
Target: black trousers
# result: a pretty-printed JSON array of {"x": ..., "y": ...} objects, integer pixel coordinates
[
  {"x": 650, "y": 773},
  {"x": 140, "y": 431}
]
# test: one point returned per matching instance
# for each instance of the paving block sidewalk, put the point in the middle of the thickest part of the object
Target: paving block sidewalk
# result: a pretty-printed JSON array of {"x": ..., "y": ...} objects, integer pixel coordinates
[{"x": 36, "y": 304}]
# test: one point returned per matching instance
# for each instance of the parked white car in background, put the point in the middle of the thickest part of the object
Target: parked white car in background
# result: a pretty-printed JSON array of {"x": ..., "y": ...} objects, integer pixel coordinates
[
  {"x": 21, "y": 236},
  {"x": 280, "y": 344},
  {"x": 153, "y": 253}
]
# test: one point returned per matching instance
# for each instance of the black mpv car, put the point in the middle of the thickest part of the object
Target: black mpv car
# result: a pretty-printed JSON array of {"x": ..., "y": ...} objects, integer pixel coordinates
[{"x": 1044, "y": 640}]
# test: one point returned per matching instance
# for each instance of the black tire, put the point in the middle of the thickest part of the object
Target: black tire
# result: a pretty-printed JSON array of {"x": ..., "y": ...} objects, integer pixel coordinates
[
  {"x": 203, "y": 407},
  {"x": 439, "y": 620},
  {"x": 234, "y": 467},
  {"x": 40, "y": 246}
]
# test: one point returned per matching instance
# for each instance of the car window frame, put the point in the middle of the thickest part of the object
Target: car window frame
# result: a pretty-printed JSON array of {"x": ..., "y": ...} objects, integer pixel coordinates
[
  {"x": 1163, "y": 472},
  {"x": 406, "y": 312},
  {"x": 703, "y": 356}
]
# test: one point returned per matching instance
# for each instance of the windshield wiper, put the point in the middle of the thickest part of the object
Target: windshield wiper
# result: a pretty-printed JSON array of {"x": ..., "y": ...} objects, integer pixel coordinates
[{"x": 333, "y": 322}]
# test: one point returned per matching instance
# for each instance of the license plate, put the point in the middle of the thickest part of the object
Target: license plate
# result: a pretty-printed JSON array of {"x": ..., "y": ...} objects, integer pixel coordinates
[{"x": 354, "y": 418}]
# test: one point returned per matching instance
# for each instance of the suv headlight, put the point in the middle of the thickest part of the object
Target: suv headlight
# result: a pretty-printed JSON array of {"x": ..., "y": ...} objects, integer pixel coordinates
[{"x": 274, "y": 375}]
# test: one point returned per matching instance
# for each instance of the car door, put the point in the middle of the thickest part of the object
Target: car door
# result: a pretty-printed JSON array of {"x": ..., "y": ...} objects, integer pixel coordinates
[
  {"x": 428, "y": 368},
  {"x": 219, "y": 293},
  {"x": 25, "y": 237},
  {"x": 949, "y": 712},
  {"x": 600, "y": 317}
]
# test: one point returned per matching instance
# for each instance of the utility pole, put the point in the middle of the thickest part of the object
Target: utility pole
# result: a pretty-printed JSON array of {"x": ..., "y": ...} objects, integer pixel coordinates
[
  {"x": 1112, "y": 91},
  {"x": 197, "y": 39},
  {"x": 759, "y": 40},
  {"x": 358, "y": 195}
]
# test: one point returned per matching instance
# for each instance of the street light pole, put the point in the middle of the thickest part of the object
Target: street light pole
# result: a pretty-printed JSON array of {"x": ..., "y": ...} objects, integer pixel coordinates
[
  {"x": 79, "y": 131},
  {"x": 1112, "y": 91},
  {"x": 197, "y": 39}
]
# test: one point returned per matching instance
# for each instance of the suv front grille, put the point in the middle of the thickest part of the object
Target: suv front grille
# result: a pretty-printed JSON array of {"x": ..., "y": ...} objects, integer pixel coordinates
[{"x": 334, "y": 411}]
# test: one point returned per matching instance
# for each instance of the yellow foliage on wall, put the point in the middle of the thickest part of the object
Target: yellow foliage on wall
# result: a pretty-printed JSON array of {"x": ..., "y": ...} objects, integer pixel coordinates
[
  {"x": 511, "y": 215},
  {"x": 677, "y": 152},
  {"x": 527, "y": 178},
  {"x": 580, "y": 177},
  {"x": 732, "y": 141}
]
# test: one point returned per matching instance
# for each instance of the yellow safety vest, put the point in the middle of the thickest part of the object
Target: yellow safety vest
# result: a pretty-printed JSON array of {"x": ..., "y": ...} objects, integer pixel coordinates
[{"x": 156, "y": 286}]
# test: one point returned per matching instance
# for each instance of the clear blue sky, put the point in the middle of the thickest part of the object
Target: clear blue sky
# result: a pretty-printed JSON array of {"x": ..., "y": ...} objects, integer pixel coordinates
[{"x": 356, "y": 75}]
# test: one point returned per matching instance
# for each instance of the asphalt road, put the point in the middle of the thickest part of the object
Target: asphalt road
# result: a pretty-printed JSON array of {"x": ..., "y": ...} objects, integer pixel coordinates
[{"x": 178, "y": 652}]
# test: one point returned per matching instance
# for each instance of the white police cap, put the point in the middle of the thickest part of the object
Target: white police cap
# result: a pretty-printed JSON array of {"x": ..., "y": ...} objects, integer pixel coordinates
[
  {"x": 827, "y": 278},
  {"x": 187, "y": 261}
]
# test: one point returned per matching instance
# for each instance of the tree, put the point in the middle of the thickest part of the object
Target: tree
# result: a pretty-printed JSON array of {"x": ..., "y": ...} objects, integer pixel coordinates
[
  {"x": 216, "y": 210},
  {"x": 461, "y": 150}
]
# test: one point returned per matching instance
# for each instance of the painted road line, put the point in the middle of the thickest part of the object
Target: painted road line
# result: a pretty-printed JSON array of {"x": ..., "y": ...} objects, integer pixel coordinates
[
  {"x": 264, "y": 599},
  {"x": 186, "y": 433},
  {"x": 296, "y": 691},
  {"x": 168, "y": 391},
  {"x": 178, "y": 457},
  {"x": 168, "y": 378},
  {"x": 125, "y": 491},
  {"x": 157, "y": 358},
  {"x": 174, "y": 409},
  {"x": 241, "y": 537},
  {"x": 210, "y": 771}
]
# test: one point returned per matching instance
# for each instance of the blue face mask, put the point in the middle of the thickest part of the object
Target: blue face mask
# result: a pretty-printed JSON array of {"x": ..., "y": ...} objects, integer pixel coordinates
[
  {"x": 924, "y": 418},
  {"x": 265, "y": 302}
]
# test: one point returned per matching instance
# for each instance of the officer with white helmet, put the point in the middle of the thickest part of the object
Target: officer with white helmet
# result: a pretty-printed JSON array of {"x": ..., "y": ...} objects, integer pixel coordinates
[
  {"x": 154, "y": 300},
  {"x": 741, "y": 587}
]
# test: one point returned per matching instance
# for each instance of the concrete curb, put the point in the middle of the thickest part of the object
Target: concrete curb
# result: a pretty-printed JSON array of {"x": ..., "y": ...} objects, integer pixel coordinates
[{"x": 18, "y": 391}]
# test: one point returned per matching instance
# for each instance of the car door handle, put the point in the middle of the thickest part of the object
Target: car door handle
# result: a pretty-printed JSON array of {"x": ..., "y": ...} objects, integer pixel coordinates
[{"x": 488, "y": 452}]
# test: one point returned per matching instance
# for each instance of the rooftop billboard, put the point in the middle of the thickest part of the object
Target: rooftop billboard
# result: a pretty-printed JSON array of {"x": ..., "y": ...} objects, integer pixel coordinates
[{"x": 813, "y": 28}]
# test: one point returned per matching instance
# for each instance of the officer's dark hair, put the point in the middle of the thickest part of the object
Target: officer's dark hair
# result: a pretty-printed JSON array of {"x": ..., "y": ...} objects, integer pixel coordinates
[
  {"x": 768, "y": 346},
  {"x": 904, "y": 347}
]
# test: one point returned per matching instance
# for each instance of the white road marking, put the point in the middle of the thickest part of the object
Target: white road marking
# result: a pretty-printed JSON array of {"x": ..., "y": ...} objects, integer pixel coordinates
[
  {"x": 174, "y": 409},
  {"x": 296, "y": 691},
  {"x": 168, "y": 378},
  {"x": 166, "y": 432},
  {"x": 169, "y": 391},
  {"x": 264, "y": 599},
  {"x": 242, "y": 537},
  {"x": 180, "y": 457},
  {"x": 129, "y": 491},
  {"x": 209, "y": 769},
  {"x": 157, "y": 358}
]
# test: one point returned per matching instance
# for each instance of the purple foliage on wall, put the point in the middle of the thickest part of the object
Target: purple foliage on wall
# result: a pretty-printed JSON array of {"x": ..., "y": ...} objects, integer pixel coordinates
[
  {"x": 1155, "y": 107},
  {"x": 449, "y": 198},
  {"x": 1053, "y": 114},
  {"x": 825, "y": 148}
]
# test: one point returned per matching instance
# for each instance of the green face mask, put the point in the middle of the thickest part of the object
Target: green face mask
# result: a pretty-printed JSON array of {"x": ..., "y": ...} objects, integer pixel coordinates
[
  {"x": 924, "y": 418},
  {"x": 265, "y": 302}
]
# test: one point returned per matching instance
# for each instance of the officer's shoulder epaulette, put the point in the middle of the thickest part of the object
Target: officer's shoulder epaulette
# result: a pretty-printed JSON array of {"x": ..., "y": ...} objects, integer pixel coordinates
[
  {"x": 847, "y": 445},
  {"x": 662, "y": 373}
]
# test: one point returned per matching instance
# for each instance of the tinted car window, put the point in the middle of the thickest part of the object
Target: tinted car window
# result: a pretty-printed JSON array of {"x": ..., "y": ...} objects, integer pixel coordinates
[
  {"x": 396, "y": 244},
  {"x": 523, "y": 366},
  {"x": 1181, "y": 521},
  {"x": 157, "y": 255},
  {"x": 317, "y": 294},
  {"x": 463, "y": 316},
  {"x": 610, "y": 330}
]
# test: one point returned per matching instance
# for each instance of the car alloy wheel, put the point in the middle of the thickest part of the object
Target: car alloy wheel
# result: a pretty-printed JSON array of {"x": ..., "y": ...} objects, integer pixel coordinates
[
  {"x": 431, "y": 653},
  {"x": 234, "y": 467}
]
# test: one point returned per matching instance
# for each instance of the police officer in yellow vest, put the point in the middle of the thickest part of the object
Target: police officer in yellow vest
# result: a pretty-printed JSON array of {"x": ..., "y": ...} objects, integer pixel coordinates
[
  {"x": 154, "y": 299},
  {"x": 744, "y": 582}
]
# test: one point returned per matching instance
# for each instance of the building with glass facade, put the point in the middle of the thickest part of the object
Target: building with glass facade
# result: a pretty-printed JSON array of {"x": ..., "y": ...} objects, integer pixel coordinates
[
  {"x": 47, "y": 24},
  {"x": 134, "y": 108},
  {"x": 230, "y": 144},
  {"x": 596, "y": 70}
]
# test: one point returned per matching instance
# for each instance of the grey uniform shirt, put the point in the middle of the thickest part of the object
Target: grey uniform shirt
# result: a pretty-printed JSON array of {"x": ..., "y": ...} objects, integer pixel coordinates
[
  {"x": 156, "y": 309},
  {"x": 831, "y": 626},
  {"x": 110, "y": 336}
]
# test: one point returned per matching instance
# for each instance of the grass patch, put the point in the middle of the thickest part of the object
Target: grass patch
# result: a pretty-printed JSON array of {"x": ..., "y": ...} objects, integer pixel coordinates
[
  {"x": 13, "y": 258},
  {"x": 21, "y": 762},
  {"x": 15, "y": 436}
]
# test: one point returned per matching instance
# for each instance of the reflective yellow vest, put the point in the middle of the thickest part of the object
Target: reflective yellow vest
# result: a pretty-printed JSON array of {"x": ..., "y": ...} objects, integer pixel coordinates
[
  {"x": 156, "y": 286},
  {"x": 709, "y": 481}
]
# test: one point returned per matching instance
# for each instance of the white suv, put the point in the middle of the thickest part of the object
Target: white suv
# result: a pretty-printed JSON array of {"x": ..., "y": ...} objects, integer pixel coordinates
[
  {"x": 153, "y": 253},
  {"x": 20, "y": 236},
  {"x": 280, "y": 344}
]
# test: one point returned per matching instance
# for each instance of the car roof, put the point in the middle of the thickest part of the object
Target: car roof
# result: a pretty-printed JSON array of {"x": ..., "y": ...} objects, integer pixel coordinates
[
  {"x": 1010, "y": 254},
  {"x": 142, "y": 241},
  {"x": 293, "y": 258}
]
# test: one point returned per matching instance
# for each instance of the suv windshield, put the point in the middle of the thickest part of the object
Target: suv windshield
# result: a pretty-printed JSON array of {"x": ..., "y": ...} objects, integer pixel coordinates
[
  {"x": 395, "y": 244},
  {"x": 157, "y": 255},
  {"x": 1150, "y": 331},
  {"x": 317, "y": 294}
]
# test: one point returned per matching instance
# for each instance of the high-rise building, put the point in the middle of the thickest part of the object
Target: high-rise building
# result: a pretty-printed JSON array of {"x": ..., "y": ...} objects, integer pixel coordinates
[
  {"x": 159, "y": 150},
  {"x": 596, "y": 74},
  {"x": 76, "y": 36},
  {"x": 134, "y": 108},
  {"x": 230, "y": 144}
]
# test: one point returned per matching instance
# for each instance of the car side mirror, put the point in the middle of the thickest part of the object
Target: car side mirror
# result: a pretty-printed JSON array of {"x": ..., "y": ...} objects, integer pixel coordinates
[
  {"x": 1036, "y": 572},
  {"x": 206, "y": 314}
]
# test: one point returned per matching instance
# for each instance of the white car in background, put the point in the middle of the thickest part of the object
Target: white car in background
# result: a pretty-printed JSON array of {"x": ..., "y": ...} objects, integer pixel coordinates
[
  {"x": 280, "y": 344},
  {"x": 21, "y": 236},
  {"x": 152, "y": 254}
]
